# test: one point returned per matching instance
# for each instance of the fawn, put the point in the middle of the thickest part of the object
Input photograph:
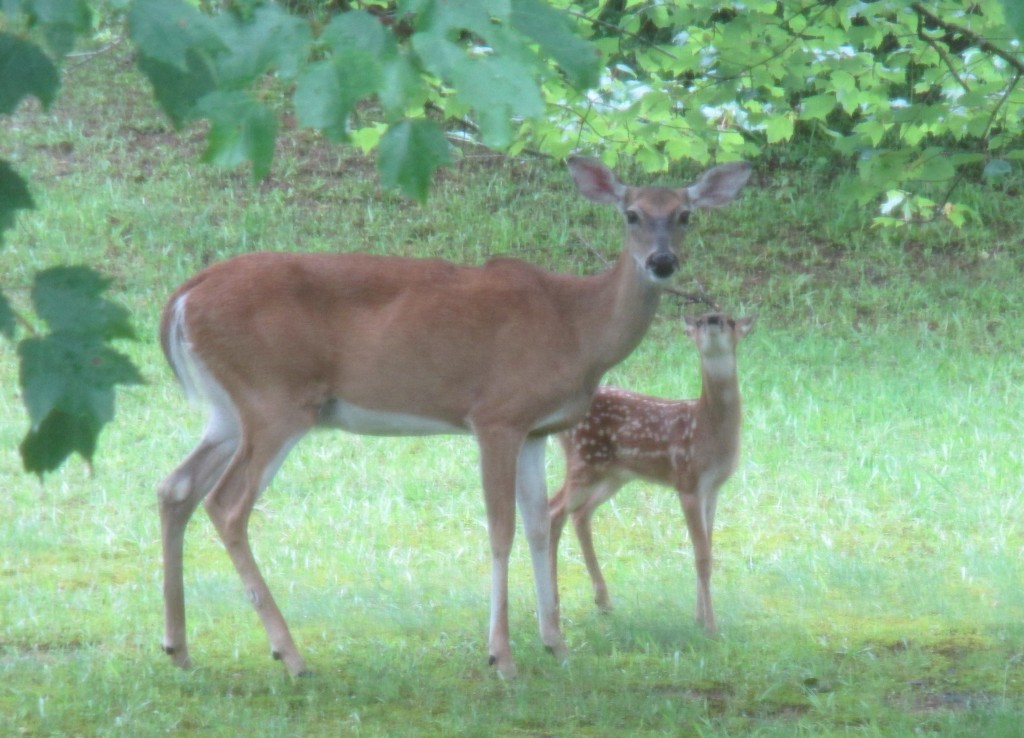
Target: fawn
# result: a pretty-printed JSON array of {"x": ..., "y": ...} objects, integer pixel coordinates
[{"x": 692, "y": 445}]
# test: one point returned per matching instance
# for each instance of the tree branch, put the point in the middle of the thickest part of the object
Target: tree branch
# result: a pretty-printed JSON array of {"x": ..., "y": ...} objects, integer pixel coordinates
[{"x": 943, "y": 54}]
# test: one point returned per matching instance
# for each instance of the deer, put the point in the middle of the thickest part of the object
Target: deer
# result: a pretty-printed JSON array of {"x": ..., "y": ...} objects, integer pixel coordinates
[
  {"x": 275, "y": 344},
  {"x": 691, "y": 445}
]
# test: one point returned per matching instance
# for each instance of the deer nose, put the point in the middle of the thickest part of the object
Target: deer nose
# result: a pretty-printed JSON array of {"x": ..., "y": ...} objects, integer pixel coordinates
[{"x": 662, "y": 264}]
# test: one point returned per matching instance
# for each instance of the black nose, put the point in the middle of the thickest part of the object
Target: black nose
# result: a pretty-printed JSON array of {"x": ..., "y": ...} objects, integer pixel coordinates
[{"x": 663, "y": 264}]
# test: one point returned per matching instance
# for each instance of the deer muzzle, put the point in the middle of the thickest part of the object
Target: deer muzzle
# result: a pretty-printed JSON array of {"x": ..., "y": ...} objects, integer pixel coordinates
[{"x": 662, "y": 263}]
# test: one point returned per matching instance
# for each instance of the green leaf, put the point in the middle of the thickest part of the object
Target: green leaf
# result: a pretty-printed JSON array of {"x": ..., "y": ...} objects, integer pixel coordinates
[
  {"x": 270, "y": 38},
  {"x": 997, "y": 168},
  {"x": 14, "y": 196},
  {"x": 8, "y": 321},
  {"x": 817, "y": 107},
  {"x": 62, "y": 21},
  {"x": 329, "y": 90},
  {"x": 933, "y": 166},
  {"x": 498, "y": 90},
  {"x": 551, "y": 30},
  {"x": 24, "y": 70},
  {"x": 1014, "y": 12},
  {"x": 168, "y": 30},
  {"x": 60, "y": 434},
  {"x": 357, "y": 29},
  {"x": 401, "y": 87},
  {"x": 242, "y": 129},
  {"x": 408, "y": 155},
  {"x": 68, "y": 299},
  {"x": 779, "y": 128},
  {"x": 73, "y": 372},
  {"x": 439, "y": 55},
  {"x": 179, "y": 91},
  {"x": 447, "y": 17},
  {"x": 68, "y": 377},
  {"x": 846, "y": 90}
]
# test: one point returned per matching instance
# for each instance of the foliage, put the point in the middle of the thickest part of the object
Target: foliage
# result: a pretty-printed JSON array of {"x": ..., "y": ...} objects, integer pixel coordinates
[
  {"x": 914, "y": 96},
  {"x": 456, "y": 57},
  {"x": 68, "y": 376}
]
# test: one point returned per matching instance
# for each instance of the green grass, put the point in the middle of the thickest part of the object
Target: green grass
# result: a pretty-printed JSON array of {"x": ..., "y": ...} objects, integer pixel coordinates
[{"x": 869, "y": 550}]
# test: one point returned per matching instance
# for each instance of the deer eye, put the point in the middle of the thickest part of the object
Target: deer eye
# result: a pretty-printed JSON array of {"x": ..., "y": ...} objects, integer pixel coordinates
[
  {"x": 632, "y": 217},
  {"x": 683, "y": 218}
]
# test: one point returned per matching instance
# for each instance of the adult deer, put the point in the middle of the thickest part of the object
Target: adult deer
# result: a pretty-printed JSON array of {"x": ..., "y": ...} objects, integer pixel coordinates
[
  {"x": 692, "y": 445},
  {"x": 279, "y": 343}
]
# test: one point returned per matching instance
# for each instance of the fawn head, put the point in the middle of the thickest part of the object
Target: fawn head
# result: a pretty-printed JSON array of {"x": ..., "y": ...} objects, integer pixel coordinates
[{"x": 716, "y": 334}]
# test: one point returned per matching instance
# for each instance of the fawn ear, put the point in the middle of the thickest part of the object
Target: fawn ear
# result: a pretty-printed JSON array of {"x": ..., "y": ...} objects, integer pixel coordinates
[
  {"x": 743, "y": 325},
  {"x": 690, "y": 325},
  {"x": 595, "y": 181}
]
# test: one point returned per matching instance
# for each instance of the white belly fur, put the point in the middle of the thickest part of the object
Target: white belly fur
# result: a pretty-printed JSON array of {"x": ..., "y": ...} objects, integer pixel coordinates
[{"x": 355, "y": 419}]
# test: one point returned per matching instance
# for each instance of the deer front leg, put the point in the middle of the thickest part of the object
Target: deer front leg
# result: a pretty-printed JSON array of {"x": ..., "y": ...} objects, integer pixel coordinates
[
  {"x": 581, "y": 521},
  {"x": 532, "y": 498},
  {"x": 499, "y": 453},
  {"x": 695, "y": 508}
]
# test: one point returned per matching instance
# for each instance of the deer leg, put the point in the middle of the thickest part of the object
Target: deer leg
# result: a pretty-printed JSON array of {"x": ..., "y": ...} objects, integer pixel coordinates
[
  {"x": 587, "y": 499},
  {"x": 229, "y": 507},
  {"x": 695, "y": 508},
  {"x": 557, "y": 514},
  {"x": 499, "y": 453},
  {"x": 532, "y": 498},
  {"x": 178, "y": 496}
]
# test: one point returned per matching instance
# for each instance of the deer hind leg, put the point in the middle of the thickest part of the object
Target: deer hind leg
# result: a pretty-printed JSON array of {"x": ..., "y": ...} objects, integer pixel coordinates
[
  {"x": 532, "y": 498},
  {"x": 585, "y": 500},
  {"x": 557, "y": 514},
  {"x": 178, "y": 496},
  {"x": 264, "y": 445}
]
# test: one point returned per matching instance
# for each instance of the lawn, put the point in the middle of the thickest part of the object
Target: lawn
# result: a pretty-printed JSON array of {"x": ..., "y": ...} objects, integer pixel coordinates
[{"x": 869, "y": 551}]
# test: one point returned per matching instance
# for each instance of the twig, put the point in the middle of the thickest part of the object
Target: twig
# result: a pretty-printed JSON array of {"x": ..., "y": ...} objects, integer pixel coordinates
[
  {"x": 940, "y": 51},
  {"x": 590, "y": 247},
  {"x": 694, "y": 298},
  {"x": 86, "y": 56},
  {"x": 686, "y": 298},
  {"x": 980, "y": 41},
  {"x": 623, "y": 31}
]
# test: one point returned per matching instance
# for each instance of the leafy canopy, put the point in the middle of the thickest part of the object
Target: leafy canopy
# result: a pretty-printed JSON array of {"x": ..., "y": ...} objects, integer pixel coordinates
[{"x": 912, "y": 95}]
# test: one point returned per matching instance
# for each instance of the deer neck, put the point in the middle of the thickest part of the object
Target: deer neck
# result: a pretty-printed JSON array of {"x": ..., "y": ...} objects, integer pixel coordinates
[
  {"x": 623, "y": 303},
  {"x": 720, "y": 394}
]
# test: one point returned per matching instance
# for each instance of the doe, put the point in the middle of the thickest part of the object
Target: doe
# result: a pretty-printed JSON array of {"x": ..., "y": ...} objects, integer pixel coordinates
[{"x": 692, "y": 445}]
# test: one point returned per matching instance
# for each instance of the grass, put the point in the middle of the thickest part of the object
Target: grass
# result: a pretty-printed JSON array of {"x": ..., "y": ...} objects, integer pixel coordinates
[{"x": 869, "y": 551}]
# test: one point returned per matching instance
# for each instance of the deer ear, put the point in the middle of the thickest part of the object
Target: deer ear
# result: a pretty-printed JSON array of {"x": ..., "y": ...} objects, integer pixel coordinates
[
  {"x": 690, "y": 325},
  {"x": 719, "y": 186},
  {"x": 743, "y": 325},
  {"x": 595, "y": 181}
]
